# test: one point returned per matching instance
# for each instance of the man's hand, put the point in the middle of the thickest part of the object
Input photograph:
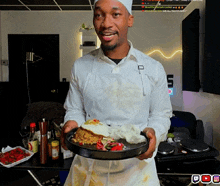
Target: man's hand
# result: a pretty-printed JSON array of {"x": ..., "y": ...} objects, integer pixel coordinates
[
  {"x": 150, "y": 133},
  {"x": 69, "y": 125}
]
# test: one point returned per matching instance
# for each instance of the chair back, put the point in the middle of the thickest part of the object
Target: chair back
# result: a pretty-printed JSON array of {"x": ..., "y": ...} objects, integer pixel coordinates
[{"x": 186, "y": 120}]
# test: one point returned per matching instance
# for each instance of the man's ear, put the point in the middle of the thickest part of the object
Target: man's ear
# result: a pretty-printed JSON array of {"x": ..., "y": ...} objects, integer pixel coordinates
[{"x": 130, "y": 20}]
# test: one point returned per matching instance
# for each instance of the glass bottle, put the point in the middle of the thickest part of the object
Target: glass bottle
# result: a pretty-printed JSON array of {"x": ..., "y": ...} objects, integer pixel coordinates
[
  {"x": 55, "y": 149},
  {"x": 52, "y": 138},
  {"x": 32, "y": 140}
]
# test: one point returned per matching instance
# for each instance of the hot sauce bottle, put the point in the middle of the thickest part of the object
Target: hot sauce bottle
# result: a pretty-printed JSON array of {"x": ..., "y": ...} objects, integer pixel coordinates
[
  {"x": 43, "y": 143},
  {"x": 32, "y": 140}
]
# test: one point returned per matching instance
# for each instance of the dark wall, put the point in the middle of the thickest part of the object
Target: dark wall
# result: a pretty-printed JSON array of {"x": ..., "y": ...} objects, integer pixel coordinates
[
  {"x": 13, "y": 111},
  {"x": 190, "y": 56},
  {"x": 9, "y": 123},
  {"x": 4, "y": 106},
  {"x": 211, "y": 64}
]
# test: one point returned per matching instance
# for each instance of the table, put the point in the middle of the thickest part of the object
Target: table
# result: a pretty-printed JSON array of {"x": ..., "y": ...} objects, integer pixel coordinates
[
  {"x": 165, "y": 165},
  {"x": 33, "y": 164},
  {"x": 165, "y": 169}
]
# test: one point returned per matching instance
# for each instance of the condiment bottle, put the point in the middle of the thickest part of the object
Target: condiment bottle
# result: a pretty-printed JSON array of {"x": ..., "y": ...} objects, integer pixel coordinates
[
  {"x": 52, "y": 138},
  {"x": 43, "y": 144},
  {"x": 32, "y": 140},
  {"x": 55, "y": 149}
]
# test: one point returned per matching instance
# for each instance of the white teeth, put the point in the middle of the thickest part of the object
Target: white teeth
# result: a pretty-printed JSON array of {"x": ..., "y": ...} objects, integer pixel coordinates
[{"x": 108, "y": 36}]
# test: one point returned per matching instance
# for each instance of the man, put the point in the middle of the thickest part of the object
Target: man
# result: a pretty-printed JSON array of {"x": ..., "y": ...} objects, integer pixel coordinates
[{"x": 117, "y": 85}]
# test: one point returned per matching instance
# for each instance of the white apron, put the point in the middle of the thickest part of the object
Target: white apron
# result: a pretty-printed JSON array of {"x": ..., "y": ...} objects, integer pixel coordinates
[
  {"x": 124, "y": 95},
  {"x": 130, "y": 172}
]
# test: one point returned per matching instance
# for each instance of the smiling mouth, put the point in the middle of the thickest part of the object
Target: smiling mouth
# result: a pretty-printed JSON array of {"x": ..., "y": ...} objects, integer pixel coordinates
[{"x": 108, "y": 35}]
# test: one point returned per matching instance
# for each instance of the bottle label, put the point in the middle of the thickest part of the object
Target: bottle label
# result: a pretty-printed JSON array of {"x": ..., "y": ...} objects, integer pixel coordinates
[
  {"x": 33, "y": 146},
  {"x": 55, "y": 153}
]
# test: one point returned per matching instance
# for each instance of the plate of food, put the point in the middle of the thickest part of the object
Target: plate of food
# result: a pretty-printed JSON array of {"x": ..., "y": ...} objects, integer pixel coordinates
[
  {"x": 96, "y": 140},
  {"x": 10, "y": 157}
]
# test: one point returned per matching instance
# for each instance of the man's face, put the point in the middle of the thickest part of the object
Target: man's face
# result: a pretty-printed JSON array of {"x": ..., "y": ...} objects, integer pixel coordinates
[{"x": 111, "y": 21}]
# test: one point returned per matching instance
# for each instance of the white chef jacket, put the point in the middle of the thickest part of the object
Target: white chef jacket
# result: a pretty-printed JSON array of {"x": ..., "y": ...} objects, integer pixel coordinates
[{"x": 133, "y": 92}]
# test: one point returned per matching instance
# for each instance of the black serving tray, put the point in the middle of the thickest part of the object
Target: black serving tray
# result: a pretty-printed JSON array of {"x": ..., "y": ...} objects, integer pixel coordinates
[{"x": 90, "y": 151}]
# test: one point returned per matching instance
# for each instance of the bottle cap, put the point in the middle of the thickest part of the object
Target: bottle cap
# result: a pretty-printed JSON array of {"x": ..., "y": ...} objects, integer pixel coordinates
[
  {"x": 55, "y": 143},
  {"x": 33, "y": 124}
]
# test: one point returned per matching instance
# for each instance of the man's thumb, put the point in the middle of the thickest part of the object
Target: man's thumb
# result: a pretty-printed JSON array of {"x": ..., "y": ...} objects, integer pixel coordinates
[{"x": 67, "y": 129}]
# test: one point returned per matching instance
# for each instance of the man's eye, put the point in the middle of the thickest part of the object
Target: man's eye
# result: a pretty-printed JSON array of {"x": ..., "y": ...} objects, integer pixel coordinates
[
  {"x": 97, "y": 15},
  {"x": 116, "y": 14}
]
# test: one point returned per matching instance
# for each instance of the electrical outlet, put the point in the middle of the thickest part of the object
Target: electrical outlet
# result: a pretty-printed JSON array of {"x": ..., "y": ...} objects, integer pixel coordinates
[{"x": 4, "y": 62}]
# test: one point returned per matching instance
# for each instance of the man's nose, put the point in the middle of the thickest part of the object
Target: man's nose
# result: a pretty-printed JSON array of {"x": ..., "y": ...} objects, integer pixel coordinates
[{"x": 107, "y": 22}]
